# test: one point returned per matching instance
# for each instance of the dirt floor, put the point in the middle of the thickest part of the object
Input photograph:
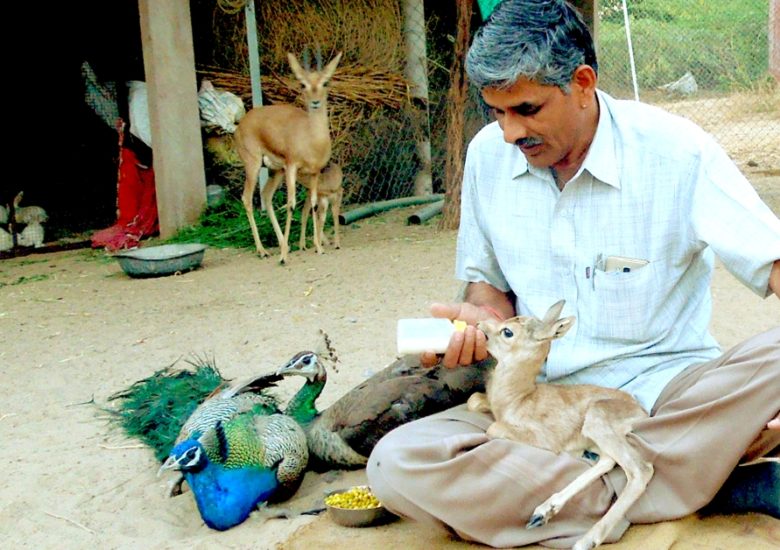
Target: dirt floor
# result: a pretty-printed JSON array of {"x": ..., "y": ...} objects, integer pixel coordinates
[{"x": 74, "y": 328}]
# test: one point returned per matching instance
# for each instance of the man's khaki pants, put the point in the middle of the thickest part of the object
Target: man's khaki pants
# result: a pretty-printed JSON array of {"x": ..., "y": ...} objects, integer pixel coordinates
[{"x": 443, "y": 469}]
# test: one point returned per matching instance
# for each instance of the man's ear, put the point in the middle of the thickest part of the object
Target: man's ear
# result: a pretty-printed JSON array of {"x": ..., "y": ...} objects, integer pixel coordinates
[{"x": 584, "y": 81}]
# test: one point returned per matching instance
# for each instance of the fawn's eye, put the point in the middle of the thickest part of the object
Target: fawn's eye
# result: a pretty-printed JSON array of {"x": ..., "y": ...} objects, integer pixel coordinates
[{"x": 506, "y": 333}]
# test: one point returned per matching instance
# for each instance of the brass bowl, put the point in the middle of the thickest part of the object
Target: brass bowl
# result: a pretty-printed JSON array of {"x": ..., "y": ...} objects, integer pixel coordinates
[{"x": 360, "y": 517}]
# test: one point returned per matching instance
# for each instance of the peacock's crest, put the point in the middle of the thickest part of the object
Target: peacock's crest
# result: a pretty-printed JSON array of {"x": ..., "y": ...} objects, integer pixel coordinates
[{"x": 326, "y": 352}]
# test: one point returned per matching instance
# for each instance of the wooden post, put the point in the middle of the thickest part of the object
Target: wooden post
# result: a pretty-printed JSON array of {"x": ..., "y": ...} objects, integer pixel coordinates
[
  {"x": 416, "y": 73},
  {"x": 456, "y": 105},
  {"x": 589, "y": 11},
  {"x": 169, "y": 64}
]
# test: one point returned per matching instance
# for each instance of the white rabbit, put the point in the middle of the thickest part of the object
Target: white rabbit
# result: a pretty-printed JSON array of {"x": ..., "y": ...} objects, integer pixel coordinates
[
  {"x": 6, "y": 241},
  {"x": 28, "y": 214},
  {"x": 31, "y": 235}
]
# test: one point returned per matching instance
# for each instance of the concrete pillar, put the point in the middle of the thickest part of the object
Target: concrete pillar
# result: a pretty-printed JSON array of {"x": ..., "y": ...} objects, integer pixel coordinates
[{"x": 169, "y": 65}]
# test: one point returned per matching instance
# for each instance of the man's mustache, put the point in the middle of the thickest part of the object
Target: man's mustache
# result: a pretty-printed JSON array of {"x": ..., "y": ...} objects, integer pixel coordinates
[{"x": 529, "y": 142}]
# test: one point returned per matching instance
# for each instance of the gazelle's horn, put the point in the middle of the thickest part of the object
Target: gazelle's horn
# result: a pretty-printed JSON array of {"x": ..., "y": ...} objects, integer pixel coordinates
[{"x": 318, "y": 57}]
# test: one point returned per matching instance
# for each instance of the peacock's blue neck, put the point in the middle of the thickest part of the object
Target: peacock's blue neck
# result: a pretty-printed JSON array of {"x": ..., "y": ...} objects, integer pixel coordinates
[
  {"x": 226, "y": 496},
  {"x": 302, "y": 405}
]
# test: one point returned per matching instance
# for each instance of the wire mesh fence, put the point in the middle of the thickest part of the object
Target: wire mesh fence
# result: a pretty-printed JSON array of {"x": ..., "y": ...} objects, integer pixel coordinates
[{"x": 707, "y": 61}]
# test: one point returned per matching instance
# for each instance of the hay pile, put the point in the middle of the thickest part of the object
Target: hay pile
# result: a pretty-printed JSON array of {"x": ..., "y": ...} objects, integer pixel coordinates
[{"x": 368, "y": 32}]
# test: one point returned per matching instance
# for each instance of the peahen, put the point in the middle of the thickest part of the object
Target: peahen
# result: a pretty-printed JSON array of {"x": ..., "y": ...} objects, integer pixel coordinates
[
  {"x": 343, "y": 435},
  {"x": 235, "y": 450}
]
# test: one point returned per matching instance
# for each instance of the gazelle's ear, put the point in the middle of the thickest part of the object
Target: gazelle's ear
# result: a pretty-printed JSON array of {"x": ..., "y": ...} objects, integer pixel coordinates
[
  {"x": 330, "y": 68},
  {"x": 297, "y": 70}
]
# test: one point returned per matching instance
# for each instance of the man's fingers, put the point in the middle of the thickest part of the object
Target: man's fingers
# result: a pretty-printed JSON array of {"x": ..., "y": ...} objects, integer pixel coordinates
[
  {"x": 480, "y": 346},
  {"x": 429, "y": 359},
  {"x": 445, "y": 311},
  {"x": 452, "y": 355},
  {"x": 774, "y": 424},
  {"x": 467, "y": 351}
]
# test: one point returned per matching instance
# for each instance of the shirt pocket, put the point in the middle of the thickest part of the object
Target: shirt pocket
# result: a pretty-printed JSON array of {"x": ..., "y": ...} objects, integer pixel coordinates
[{"x": 623, "y": 306}]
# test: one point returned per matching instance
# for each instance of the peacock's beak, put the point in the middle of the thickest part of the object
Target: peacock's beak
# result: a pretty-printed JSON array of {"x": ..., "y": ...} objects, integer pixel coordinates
[
  {"x": 170, "y": 463},
  {"x": 283, "y": 369}
]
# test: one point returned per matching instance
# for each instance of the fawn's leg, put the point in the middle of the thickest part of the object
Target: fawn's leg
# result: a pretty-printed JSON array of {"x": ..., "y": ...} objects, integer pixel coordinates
[
  {"x": 607, "y": 424},
  {"x": 305, "y": 220}
]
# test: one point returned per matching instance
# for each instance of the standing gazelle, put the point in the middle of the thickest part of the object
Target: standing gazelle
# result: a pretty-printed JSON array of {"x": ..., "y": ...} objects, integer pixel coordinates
[
  {"x": 560, "y": 418},
  {"x": 287, "y": 140}
]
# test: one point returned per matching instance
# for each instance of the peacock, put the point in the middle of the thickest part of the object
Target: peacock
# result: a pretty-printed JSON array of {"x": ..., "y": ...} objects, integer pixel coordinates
[
  {"x": 236, "y": 450},
  {"x": 343, "y": 435},
  {"x": 249, "y": 459}
]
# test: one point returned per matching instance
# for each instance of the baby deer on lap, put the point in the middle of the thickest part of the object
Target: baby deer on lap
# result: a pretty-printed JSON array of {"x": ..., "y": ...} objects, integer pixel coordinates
[{"x": 573, "y": 418}]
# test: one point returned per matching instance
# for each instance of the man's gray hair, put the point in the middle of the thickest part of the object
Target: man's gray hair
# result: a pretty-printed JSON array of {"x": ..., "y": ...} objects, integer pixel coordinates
[{"x": 541, "y": 40}]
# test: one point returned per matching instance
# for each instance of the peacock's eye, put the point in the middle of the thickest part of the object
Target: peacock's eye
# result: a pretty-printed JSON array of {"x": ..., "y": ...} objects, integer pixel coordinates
[
  {"x": 192, "y": 453},
  {"x": 506, "y": 333},
  {"x": 307, "y": 360}
]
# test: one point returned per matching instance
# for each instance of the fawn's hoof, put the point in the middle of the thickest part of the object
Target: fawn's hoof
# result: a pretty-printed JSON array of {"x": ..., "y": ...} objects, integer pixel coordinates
[
  {"x": 584, "y": 544},
  {"x": 537, "y": 520}
]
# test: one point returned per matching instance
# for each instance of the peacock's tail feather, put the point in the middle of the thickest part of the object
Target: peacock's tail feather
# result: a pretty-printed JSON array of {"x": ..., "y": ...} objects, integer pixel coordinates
[{"x": 154, "y": 409}]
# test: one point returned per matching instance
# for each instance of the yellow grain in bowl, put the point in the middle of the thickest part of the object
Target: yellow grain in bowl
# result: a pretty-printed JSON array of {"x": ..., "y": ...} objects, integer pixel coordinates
[
  {"x": 357, "y": 498},
  {"x": 356, "y": 507}
]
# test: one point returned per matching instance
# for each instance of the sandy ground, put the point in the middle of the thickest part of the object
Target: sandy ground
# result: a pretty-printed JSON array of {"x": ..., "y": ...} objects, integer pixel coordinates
[{"x": 74, "y": 327}]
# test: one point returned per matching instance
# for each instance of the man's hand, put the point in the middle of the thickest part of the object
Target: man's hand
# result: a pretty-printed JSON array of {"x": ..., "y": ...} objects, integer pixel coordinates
[
  {"x": 466, "y": 347},
  {"x": 774, "y": 278},
  {"x": 774, "y": 424}
]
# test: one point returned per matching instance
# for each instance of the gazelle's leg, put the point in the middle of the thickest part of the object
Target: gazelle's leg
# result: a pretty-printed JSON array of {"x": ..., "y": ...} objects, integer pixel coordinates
[
  {"x": 314, "y": 201},
  {"x": 291, "y": 173},
  {"x": 252, "y": 167},
  {"x": 268, "y": 194}
]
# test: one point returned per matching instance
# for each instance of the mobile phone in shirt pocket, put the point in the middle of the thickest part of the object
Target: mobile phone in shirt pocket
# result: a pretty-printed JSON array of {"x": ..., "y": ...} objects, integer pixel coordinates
[{"x": 623, "y": 264}]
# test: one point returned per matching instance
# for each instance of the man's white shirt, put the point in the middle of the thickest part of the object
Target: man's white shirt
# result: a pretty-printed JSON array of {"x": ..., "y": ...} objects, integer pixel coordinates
[{"x": 653, "y": 187}]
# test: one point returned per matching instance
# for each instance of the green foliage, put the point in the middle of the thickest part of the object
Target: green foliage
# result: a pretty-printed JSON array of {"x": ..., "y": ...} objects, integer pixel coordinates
[
  {"x": 723, "y": 44},
  {"x": 24, "y": 280},
  {"x": 155, "y": 408},
  {"x": 226, "y": 225}
]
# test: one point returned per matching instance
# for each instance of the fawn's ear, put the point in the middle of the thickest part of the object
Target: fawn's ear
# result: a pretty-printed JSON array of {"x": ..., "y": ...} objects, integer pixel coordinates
[
  {"x": 554, "y": 312},
  {"x": 18, "y": 198},
  {"x": 552, "y": 330}
]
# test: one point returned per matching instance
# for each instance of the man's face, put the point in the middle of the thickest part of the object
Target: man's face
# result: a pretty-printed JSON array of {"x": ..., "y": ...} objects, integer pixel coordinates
[{"x": 547, "y": 125}]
